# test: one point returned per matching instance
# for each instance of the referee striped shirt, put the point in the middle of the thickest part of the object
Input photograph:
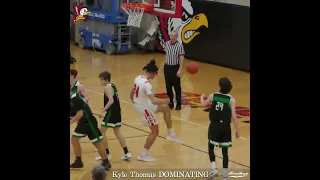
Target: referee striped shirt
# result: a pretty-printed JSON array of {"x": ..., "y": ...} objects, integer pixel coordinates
[{"x": 173, "y": 52}]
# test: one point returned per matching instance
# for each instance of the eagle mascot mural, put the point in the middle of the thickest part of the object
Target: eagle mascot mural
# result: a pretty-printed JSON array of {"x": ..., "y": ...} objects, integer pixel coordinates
[{"x": 187, "y": 26}]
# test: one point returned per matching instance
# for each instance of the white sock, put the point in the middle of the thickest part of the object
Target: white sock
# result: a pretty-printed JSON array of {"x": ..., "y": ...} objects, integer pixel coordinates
[
  {"x": 225, "y": 172},
  {"x": 171, "y": 132},
  {"x": 213, "y": 165},
  {"x": 144, "y": 152}
]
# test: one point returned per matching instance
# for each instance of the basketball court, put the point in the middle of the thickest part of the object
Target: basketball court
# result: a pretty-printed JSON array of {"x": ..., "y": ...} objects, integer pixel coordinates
[{"x": 190, "y": 124}]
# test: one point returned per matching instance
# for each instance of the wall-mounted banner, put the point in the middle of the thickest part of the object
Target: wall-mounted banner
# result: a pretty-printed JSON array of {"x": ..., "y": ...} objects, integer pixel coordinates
[{"x": 212, "y": 32}]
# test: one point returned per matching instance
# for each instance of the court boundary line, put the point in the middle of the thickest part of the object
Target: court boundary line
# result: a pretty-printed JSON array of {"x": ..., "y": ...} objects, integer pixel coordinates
[
  {"x": 185, "y": 145},
  {"x": 180, "y": 119},
  {"x": 200, "y": 150}
]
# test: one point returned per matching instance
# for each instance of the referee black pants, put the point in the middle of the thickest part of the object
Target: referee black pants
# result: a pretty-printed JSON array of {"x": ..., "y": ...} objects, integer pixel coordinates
[{"x": 172, "y": 80}]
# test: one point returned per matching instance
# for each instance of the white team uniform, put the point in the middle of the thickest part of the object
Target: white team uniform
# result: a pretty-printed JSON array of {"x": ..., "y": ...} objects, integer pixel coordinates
[
  {"x": 142, "y": 103},
  {"x": 147, "y": 111}
]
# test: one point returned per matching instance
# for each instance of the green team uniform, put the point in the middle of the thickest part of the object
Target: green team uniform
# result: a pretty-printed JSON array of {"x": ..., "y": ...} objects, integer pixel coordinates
[
  {"x": 74, "y": 89},
  {"x": 112, "y": 118},
  {"x": 87, "y": 125},
  {"x": 219, "y": 133}
]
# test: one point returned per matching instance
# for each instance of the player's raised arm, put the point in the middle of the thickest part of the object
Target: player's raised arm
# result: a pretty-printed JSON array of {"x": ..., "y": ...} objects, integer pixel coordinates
[
  {"x": 234, "y": 117},
  {"x": 206, "y": 102},
  {"x": 108, "y": 90}
]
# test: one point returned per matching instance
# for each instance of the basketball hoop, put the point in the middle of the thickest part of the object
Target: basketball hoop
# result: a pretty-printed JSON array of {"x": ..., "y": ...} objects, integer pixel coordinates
[{"x": 135, "y": 12}]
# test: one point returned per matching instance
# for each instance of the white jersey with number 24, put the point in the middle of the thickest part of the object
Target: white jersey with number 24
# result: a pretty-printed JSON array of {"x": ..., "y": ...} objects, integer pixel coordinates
[
  {"x": 143, "y": 105},
  {"x": 142, "y": 88}
]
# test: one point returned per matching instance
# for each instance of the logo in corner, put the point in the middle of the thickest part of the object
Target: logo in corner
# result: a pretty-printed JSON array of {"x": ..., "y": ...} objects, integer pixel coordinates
[
  {"x": 238, "y": 174},
  {"x": 80, "y": 12}
]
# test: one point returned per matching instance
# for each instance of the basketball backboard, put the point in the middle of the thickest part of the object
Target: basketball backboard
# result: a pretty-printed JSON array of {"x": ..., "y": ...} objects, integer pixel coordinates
[
  {"x": 171, "y": 8},
  {"x": 167, "y": 8}
]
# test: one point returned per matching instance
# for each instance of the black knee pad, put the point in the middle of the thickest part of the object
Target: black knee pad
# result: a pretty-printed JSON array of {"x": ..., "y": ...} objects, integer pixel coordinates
[
  {"x": 224, "y": 152},
  {"x": 225, "y": 160}
]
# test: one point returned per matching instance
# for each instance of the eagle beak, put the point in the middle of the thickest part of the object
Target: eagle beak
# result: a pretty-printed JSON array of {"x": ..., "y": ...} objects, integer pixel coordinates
[
  {"x": 80, "y": 17},
  {"x": 86, "y": 13},
  {"x": 189, "y": 31}
]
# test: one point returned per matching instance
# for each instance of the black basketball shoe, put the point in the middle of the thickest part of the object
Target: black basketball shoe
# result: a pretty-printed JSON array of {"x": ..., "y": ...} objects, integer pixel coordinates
[
  {"x": 178, "y": 107},
  {"x": 106, "y": 164},
  {"x": 77, "y": 164},
  {"x": 171, "y": 105}
]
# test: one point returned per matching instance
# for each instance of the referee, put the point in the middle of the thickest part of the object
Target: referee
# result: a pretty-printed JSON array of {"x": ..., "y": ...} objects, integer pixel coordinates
[{"x": 173, "y": 68}]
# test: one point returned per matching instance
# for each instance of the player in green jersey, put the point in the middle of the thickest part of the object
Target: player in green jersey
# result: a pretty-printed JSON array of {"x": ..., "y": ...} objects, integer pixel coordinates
[
  {"x": 112, "y": 118},
  {"x": 76, "y": 85},
  {"x": 87, "y": 126},
  {"x": 222, "y": 111}
]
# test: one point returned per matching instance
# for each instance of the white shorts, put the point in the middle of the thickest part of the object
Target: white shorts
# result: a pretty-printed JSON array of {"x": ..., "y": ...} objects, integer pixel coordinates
[{"x": 147, "y": 113}]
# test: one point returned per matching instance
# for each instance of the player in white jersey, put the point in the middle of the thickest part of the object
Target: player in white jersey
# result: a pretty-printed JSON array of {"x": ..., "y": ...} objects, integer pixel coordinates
[{"x": 147, "y": 106}]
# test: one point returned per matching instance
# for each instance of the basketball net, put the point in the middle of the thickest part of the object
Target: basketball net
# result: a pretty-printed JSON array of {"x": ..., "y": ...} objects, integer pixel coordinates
[
  {"x": 134, "y": 16},
  {"x": 135, "y": 12}
]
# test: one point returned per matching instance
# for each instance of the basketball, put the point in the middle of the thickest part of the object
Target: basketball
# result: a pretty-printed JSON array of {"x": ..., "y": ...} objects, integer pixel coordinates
[{"x": 192, "y": 68}]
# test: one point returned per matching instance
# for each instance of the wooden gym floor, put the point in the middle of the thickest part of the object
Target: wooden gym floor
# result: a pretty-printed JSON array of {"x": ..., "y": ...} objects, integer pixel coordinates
[{"x": 190, "y": 123}]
